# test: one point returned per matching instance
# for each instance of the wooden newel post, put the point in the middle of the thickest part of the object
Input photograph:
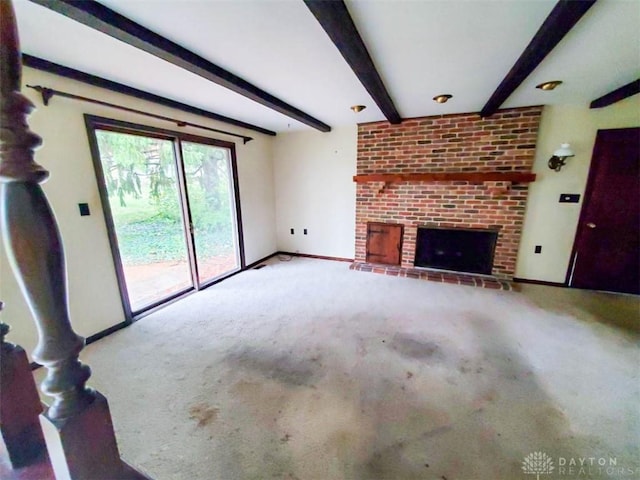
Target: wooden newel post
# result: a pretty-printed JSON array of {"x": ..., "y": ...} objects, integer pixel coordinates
[
  {"x": 19, "y": 405},
  {"x": 77, "y": 425}
]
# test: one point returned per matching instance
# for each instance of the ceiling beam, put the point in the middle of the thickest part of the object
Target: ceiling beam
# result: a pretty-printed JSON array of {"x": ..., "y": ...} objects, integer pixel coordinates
[
  {"x": 562, "y": 18},
  {"x": 57, "y": 69},
  {"x": 336, "y": 21},
  {"x": 618, "y": 94},
  {"x": 105, "y": 20}
]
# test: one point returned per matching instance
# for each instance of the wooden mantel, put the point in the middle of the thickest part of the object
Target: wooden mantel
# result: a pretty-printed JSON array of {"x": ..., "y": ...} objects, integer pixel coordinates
[{"x": 473, "y": 177}]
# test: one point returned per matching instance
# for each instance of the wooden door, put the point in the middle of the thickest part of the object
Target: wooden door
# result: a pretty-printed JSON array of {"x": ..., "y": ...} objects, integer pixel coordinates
[
  {"x": 384, "y": 243},
  {"x": 606, "y": 251}
]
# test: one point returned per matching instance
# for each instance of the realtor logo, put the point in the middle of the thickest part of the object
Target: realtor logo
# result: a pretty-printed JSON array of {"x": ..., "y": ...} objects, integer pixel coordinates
[{"x": 537, "y": 463}]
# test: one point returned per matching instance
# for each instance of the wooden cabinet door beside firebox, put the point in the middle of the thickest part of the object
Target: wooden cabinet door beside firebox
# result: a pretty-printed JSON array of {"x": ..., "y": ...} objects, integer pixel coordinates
[{"x": 384, "y": 243}]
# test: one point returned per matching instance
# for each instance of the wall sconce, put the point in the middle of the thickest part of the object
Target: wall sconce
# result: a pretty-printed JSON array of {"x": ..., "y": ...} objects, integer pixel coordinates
[{"x": 557, "y": 161}]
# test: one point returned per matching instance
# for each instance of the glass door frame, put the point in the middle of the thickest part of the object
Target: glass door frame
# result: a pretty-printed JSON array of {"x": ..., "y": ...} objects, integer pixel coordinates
[{"x": 94, "y": 123}]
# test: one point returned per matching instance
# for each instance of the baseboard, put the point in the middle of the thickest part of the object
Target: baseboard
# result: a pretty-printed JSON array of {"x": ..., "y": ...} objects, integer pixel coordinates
[
  {"x": 319, "y": 257},
  {"x": 540, "y": 282},
  {"x": 93, "y": 338},
  {"x": 107, "y": 331},
  {"x": 258, "y": 262}
]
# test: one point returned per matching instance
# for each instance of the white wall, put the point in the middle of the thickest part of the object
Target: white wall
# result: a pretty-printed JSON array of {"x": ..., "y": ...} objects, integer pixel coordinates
[
  {"x": 94, "y": 300},
  {"x": 315, "y": 190},
  {"x": 551, "y": 224},
  {"x": 257, "y": 196}
]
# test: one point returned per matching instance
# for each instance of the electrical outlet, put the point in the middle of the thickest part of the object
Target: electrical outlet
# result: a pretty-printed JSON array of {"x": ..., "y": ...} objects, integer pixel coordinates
[
  {"x": 292, "y": 232},
  {"x": 538, "y": 249}
]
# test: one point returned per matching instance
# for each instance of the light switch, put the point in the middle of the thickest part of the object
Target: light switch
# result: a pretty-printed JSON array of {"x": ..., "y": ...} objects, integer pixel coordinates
[
  {"x": 84, "y": 209},
  {"x": 569, "y": 198}
]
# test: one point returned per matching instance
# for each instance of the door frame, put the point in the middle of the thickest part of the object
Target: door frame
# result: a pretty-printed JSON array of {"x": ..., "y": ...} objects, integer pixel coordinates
[
  {"x": 93, "y": 123},
  {"x": 586, "y": 198}
]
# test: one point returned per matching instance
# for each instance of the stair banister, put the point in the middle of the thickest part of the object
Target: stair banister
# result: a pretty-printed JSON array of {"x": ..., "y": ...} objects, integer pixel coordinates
[
  {"x": 32, "y": 239},
  {"x": 20, "y": 405},
  {"x": 77, "y": 425}
]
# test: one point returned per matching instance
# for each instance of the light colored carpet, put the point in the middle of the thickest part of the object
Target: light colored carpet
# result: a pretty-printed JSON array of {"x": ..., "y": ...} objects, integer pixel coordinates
[{"x": 307, "y": 370}]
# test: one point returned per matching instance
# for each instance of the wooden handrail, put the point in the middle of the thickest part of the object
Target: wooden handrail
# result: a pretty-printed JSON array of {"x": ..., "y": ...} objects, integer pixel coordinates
[{"x": 472, "y": 177}]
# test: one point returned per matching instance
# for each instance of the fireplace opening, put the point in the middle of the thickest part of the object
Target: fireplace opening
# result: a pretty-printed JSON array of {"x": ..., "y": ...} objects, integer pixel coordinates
[{"x": 460, "y": 250}]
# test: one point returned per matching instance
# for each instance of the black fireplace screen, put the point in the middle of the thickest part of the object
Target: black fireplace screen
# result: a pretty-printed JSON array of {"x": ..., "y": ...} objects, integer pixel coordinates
[{"x": 456, "y": 249}]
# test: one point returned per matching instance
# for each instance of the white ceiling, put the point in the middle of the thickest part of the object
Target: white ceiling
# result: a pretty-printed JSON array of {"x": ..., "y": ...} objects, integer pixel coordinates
[{"x": 421, "y": 48}]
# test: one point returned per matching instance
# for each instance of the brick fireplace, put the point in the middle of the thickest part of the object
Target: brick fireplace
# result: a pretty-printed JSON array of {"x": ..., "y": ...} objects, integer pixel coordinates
[{"x": 460, "y": 143}]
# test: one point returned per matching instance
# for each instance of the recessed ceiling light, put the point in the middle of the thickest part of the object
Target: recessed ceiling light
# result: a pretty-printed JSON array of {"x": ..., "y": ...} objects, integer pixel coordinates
[
  {"x": 442, "y": 98},
  {"x": 358, "y": 108},
  {"x": 549, "y": 85}
]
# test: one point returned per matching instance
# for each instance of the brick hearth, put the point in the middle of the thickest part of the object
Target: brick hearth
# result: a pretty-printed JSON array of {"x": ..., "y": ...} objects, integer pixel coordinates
[
  {"x": 504, "y": 142},
  {"x": 434, "y": 276}
]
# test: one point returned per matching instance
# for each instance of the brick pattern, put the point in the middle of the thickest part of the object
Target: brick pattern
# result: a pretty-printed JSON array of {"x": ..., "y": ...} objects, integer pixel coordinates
[
  {"x": 444, "y": 277},
  {"x": 505, "y": 142}
]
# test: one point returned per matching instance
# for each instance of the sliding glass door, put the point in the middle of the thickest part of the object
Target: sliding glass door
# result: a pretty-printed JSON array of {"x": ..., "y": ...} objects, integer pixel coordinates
[
  {"x": 209, "y": 182},
  {"x": 170, "y": 203},
  {"x": 141, "y": 181}
]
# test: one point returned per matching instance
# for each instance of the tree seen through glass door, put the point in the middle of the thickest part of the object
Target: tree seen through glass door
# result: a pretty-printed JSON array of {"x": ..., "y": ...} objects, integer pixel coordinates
[
  {"x": 210, "y": 192},
  {"x": 141, "y": 181},
  {"x": 149, "y": 198}
]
